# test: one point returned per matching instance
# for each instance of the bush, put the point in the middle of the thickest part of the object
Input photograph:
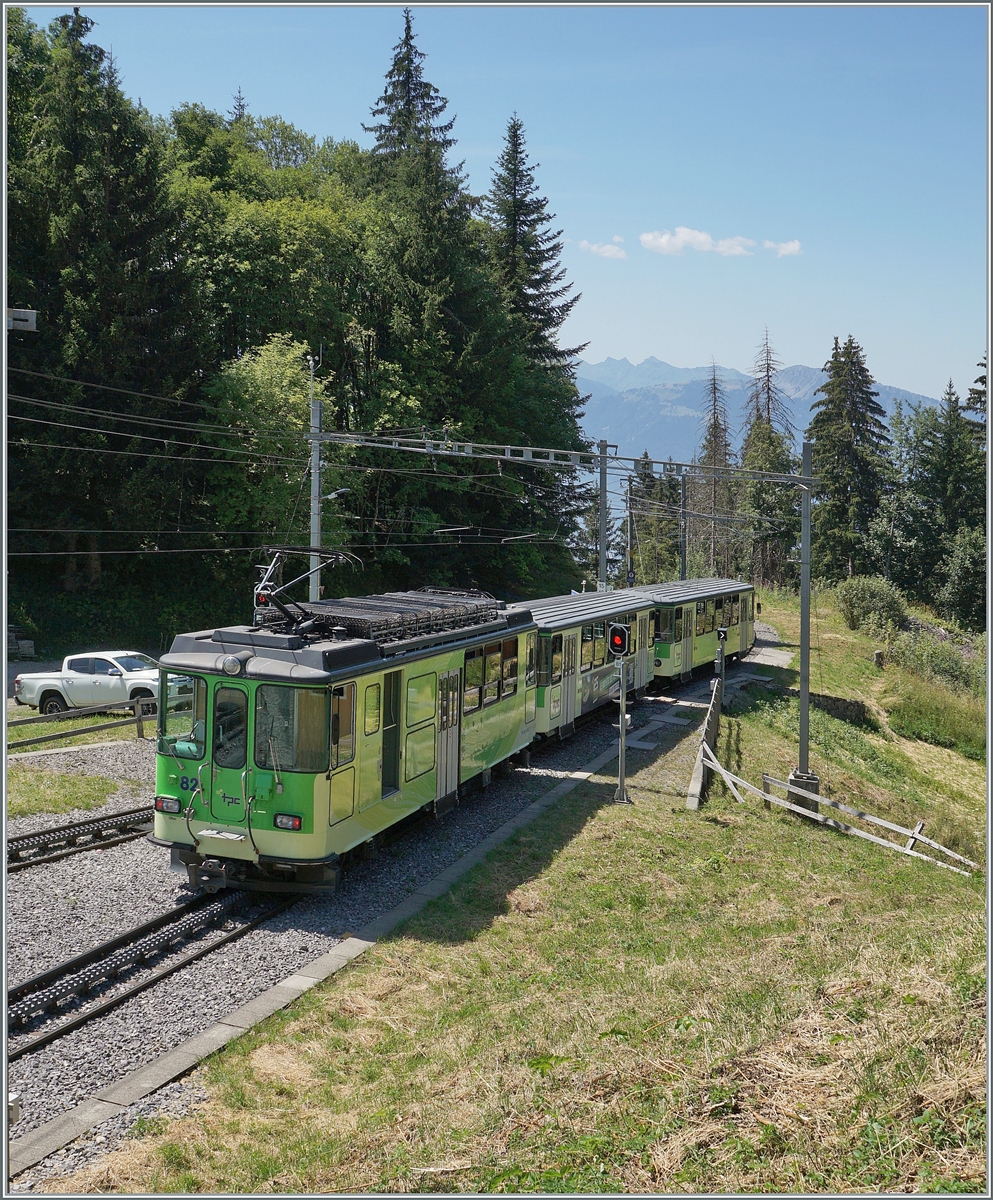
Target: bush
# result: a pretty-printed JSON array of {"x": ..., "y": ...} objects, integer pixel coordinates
[
  {"x": 865, "y": 597},
  {"x": 933, "y": 658}
]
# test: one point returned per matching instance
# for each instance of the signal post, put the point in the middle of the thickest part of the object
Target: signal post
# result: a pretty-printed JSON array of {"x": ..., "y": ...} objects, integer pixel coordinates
[{"x": 618, "y": 639}]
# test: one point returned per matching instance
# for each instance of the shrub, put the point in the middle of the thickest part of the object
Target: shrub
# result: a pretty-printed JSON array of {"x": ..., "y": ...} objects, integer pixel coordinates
[
  {"x": 942, "y": 718},
  {"x": 934, "y": 658},
  {"x": 865, "y": 597}
]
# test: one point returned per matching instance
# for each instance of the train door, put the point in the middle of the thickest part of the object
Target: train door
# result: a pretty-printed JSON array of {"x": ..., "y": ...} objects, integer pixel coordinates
[
  {"x": 686, "y": 670},
  {"x": 229, "y": 754},
  {"x": 371, "y": 739},
  {"x": 449, "y": 725},
  {"x": 391, "y": 732},
  {"x": 567, "y": 722},
  {"x": 643, "y": 671},
  {"x": 341, "y": 774}
]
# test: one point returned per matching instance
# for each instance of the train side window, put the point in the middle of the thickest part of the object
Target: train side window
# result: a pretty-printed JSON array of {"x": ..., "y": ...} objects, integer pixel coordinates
[
  {"x": 735, "y": 609},
  {"x": 710, "y": 616},
  {"x": 291, "y": 729},
  {"x": 599, "y": 643},
  {"x": 557, "y": 658},
  {"x": 719, "y": 612},
  {"x": 663, "y": 624},
  {"x": 342, "y": 724},
  {"x": 508, "y": 685},
  {"x": 677, "y": 635},
  {"x": 472, "y": 696},
  {"x": 544, "y": 661},
  {"x": 491, "y": 674},
  {"x": 632, "y": 620},
  {"x": 372, "y": 707},
  {"x": 422, "y": 698},
  {"x": 531, "y": 664},
  {"x": 586, "y": 653},
  {"x": 701, "y": 618},
  {"x": 182, "y": 715}
]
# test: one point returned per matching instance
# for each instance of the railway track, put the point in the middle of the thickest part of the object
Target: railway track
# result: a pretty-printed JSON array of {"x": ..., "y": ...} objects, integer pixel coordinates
[
  {"x": 56, "y": 989},
  {"x": 63, "y": 841}
]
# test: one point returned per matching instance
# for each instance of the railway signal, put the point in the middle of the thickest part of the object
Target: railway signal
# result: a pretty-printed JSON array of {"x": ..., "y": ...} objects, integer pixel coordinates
[{"x": 618, "y": 640}]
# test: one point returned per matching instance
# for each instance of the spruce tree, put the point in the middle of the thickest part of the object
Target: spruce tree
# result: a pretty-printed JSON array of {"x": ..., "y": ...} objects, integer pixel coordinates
[
  {"x": 526, "y": 252},
  {"x": 717, "y": 493},
  {"x": 766, "y": 401},
  {"x": 975, "y": 402},
  {"x": 850, "y": 454}
]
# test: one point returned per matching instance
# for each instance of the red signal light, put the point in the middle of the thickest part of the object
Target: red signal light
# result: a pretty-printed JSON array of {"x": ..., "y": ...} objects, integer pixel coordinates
[
  {"x": 261, "y": 599},
  {"x": 618, "y": 640}
]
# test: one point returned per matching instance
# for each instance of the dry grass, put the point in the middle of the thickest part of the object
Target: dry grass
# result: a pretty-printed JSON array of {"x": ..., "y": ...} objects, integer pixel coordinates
[{"x": 632, "y": 1000}]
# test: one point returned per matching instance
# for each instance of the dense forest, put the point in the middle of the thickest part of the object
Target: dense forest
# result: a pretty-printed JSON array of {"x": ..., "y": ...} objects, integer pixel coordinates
[{"x": 195, "y": 276}]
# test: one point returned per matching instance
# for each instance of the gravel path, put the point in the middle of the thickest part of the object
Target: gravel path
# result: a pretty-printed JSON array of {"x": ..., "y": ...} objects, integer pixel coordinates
[{"x": 66, "y": 907}]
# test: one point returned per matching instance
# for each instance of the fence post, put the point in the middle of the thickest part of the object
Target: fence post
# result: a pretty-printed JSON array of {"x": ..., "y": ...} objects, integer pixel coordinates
[
  {"x": 140, "y": 728},
  {"x": 768, "y": 791}
]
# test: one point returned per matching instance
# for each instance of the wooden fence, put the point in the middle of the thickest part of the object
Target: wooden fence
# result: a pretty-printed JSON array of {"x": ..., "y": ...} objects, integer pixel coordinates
[
  {"x": 737, "y": 785},
  {"x": 143, "y": 708},
  {"x": 702, "y": 772}
]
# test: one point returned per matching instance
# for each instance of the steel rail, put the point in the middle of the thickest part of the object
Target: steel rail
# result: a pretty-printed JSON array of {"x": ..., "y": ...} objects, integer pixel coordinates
[
  {"x": 43, "y": 1039},
  {"x": 135, "y": 820}
]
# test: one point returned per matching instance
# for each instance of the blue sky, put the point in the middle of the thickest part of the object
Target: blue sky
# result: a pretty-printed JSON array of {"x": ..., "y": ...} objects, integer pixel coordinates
[{"x": 822, "y": 171}]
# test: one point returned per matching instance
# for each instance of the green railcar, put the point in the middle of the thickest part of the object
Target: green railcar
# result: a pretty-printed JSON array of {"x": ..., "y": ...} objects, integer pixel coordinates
[
  {"x": 686, "y": 620},
  {"x": 278, "y": 752}
]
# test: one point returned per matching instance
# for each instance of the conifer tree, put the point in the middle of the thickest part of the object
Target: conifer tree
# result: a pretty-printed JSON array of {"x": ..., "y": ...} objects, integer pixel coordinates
[
  {"x": 975, "y": 402},
  {"x": 766, "y": 401},
  {"x": 717, "y": 493},
  {"x": 410, "y": 107},
  {"x": 526, "y": 252},
  {"x": 850, "y": 454}
]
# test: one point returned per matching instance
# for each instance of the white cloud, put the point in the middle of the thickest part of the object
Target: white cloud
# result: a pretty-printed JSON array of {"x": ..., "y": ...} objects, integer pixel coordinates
[
  {"x": 604, "y": 249},
  {"x": 617, "y": 238},
  {"x": 695, "y": 239},
  {"x": 783, "y": 248}
]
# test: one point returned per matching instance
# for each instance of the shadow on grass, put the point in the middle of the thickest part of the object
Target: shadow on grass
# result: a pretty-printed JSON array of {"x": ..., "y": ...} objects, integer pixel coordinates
[{"x": 472, "y": 904}]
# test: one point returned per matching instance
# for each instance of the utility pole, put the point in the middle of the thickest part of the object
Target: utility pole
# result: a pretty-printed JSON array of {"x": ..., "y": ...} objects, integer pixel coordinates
[
  {"x": 630, "y": 539},
  {"x": 602, "y": 578},
  {"x": 682, "y": 523},
  {"x": 802, "y": 776},
  {"x": 315, "y": 485}
]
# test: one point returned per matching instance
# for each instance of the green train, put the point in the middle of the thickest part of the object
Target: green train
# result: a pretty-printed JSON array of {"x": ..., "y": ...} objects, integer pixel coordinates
[{"x": 284, "y": 745}]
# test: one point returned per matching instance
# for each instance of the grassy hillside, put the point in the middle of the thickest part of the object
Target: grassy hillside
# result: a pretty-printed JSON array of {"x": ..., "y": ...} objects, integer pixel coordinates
[{"x": 643, "y": 998}]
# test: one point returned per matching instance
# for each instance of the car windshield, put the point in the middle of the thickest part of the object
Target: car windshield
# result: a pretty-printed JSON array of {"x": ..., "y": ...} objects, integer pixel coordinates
[{"x": 136, "y": 662}]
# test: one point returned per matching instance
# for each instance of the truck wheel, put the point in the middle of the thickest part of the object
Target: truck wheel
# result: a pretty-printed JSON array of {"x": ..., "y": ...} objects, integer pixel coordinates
[
  {"x": 147, "y": 710},
  {"x": 52, "y": 703}
]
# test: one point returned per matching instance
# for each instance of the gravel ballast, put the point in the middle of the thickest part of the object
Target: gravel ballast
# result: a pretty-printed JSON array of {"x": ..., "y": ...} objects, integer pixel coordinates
[{"x": 66, "y": 907}]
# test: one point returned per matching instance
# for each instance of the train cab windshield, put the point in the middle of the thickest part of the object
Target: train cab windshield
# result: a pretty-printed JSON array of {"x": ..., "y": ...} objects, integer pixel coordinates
[{"x": 182, "y": 716}]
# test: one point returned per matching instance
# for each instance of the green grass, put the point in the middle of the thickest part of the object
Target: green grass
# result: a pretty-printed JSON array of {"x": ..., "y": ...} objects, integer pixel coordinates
[
  {"x": 937, "y": 715},
  {"x": 33, "y": 791},
  {"x": 638, "y": 999}
]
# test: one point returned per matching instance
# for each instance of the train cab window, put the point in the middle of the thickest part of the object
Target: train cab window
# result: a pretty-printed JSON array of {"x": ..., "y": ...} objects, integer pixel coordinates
[
  {"x": 557, "y": 658},
  {"x": 531, "y": 663},
  {"x": 701, "y": 618},
  {"x": 372, "y": 709},
  {"x": 291, "y": 729},
  {"x": 663, "y": 624},
  {"x": 710, "y": 616},
  {"x": 508, "y": 684},
  {"x": 342, "y": 724},
  {"x": 472, "y": 695},
  {"x": 735, "y": 609},
  {"x": 491, "y": 674},
  {"x": 677, "y": 633},
  {"x": 182, "y": 716},
  {"x": 586, "y": 650},
  {"x": 599, "y": 643},
  {"x": 230, "y": 727}
]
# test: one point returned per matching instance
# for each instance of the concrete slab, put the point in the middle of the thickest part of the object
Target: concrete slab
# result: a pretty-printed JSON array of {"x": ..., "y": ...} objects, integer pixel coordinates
[
  {"x": 298, "y": 983},
  {"x": 261, "y": 1007},
  {"x": 324, "y": 966},
  {"x": 52, "y": 1136},
  {"x": 150, "y": 1078},
  {"x": 433, "y": 888}
]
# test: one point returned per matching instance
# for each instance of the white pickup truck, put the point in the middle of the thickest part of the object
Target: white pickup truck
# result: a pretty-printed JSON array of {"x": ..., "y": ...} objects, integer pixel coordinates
[{"x": 86, "y": 680}]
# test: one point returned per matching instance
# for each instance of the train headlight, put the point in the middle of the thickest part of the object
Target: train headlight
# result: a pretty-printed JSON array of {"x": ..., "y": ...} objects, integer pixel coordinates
[
  {"x": 231, "y": 665},
  {"x": 288, "y": 821},
  {"x": 167, "y": 804},
  {"x": 658, "y": 662}
]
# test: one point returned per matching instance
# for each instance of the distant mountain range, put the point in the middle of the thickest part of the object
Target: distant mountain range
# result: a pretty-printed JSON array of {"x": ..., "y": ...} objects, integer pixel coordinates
[{"x": 656, "y": 407}]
